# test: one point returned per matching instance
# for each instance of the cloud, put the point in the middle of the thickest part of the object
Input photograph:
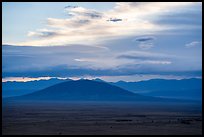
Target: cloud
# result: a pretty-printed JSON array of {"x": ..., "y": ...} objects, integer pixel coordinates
[
  {"x": 146, "y": 59},
  {"x": 80, "y": 60},
  {"x": 145, "y": 42},
  {"x": 138, "y": 77},
  {"x": 115, "y": 60},
  {"x": 43, "y": 33},
  {"x": 144, "y": 55},
  {"x": 75, "y": 57},
  {"x": 114, "y": 19},
  {"x": 69, "y": 6},
  {"x": 24, "y": 79},
  {"x": 92, "y": 26},
  {"x": 70, "y": 46},
  {"x": 63, "y": 71},
  {"x": 128, "y": 78},
  {"x": 141, "y": 57},
  {"x": 145, "y": 45},
  {"x": 156, "y": 62},
  {"x": 144, "y": 38},
  {"x": 44, "y": 57},
  {"x": 134, "y": 57},
  {"x": 193, "y": 44},
  {"x": 82, "y": 12},
  {"x": 65, "y": 60}
]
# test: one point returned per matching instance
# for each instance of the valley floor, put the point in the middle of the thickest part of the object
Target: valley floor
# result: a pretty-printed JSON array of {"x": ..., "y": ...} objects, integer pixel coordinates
[{"x": 92, "y": 118}]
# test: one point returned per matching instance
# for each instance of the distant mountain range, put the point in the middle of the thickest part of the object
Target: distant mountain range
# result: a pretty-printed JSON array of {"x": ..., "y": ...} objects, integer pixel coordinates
[
  {"x": 178, "y": 89},
  {"x": 161, "y": 84},
  {"x": 85, "y": 90},
  {"x": 12, "y": 88},
  {"x": 181, "y": 89}
]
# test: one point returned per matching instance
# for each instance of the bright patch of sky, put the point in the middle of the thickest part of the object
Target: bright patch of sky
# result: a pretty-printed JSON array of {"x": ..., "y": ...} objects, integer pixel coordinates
[{"x": 105, "y": 78}]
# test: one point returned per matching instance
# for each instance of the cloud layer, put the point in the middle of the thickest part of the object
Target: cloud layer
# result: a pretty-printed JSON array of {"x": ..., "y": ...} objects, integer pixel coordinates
[
  {"x": 193, "y": 44},
  {"x": 125, "y": 19},
  {"x": 157, "y": 38},
  {"x": 79, "y": 60}
]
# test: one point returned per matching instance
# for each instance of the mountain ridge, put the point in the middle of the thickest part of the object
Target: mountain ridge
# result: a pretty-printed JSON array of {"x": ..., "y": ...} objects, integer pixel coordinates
[
  {"x": 184, "y": 88},
  {"x": 85, "y": 90}
]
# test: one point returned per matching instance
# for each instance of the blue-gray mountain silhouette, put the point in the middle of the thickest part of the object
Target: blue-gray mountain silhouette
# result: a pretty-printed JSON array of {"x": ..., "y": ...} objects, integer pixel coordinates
[
  {"x": 180, "y": 89},
  {"x": 85, "y": 90},
  {"x": 13, "y": 88}
]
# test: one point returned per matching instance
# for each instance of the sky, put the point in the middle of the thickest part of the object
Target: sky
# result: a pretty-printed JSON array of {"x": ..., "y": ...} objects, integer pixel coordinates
[{"x": 113, "y": 41}]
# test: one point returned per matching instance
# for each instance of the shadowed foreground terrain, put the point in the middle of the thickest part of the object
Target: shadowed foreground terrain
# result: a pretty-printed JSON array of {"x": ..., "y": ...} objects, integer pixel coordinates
[{"x": 101, "y": 118}]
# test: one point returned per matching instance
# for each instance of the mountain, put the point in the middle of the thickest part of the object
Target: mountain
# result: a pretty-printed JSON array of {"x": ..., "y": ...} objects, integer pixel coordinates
[
  {"x": 85, "y": 90},
  {"x": 190, "y": 89},
  {"x": 181, "y": 89},
  {"x": 12, "y": 88},
  {"x": 99, "y": 80}
]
